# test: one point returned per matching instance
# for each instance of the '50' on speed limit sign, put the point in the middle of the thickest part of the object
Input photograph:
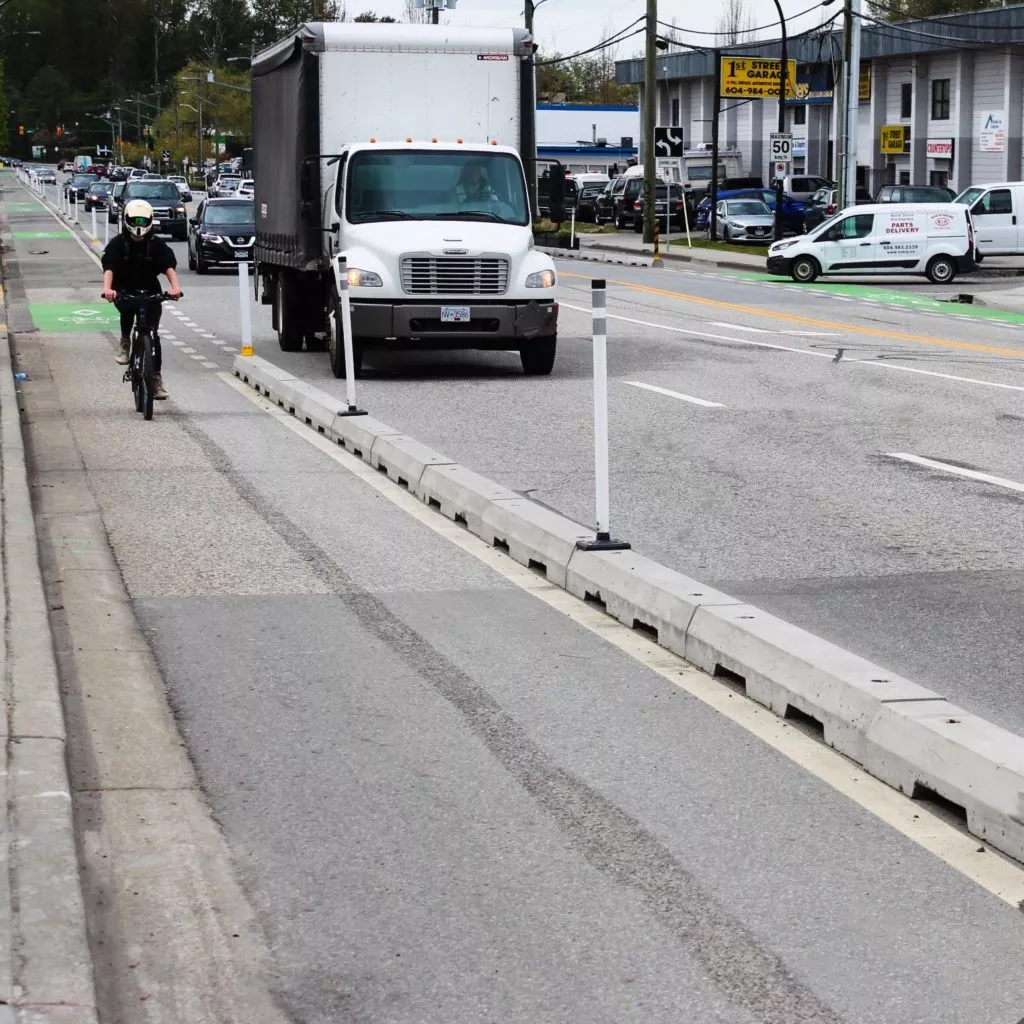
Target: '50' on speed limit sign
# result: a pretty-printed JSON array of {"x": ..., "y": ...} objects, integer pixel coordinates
[{"x": 781, "y": 146}]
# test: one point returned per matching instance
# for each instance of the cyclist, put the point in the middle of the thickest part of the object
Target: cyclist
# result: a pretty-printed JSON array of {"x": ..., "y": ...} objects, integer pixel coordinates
[{"x": 131, "y": 262}]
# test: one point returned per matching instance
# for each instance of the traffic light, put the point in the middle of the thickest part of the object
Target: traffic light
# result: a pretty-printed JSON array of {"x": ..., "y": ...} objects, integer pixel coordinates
[
  {"x": 60, "y": 130},
  {"x": 21, "y": 129}
]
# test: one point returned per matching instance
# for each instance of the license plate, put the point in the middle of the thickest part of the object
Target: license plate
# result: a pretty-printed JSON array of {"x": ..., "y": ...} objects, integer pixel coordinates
[
  {"x": 454, "y": 314},
  {"x": 241, "y": 255},
  {"x": 156, "y": 223}
]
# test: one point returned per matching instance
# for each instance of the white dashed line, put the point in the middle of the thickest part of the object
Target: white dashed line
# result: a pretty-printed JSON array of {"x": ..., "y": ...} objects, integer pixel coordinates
[
  {"x": 209, "y": 365},
  {"x": 178, "y": 343},
  {"x": 675, "y": 394},
  {"x": 971, "y": 474},
  {"x": 188, "y": 351},
  {"x": 198, "y": 359}
]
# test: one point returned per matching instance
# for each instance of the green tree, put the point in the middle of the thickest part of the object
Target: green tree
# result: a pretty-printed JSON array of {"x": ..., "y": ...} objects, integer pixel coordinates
[
  {"x": 371, "y": 16},
  {"x": 900, "y": 10}
]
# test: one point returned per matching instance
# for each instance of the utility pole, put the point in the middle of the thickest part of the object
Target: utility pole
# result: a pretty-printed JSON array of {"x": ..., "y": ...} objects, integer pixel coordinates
[
  {"x": 528, "y": 120},
  {"x": 779, "y": 190},
  {"x": 851, "y": 43},
  {"x": 716, "y": 114},
  {"x": 650, "y": 119}
]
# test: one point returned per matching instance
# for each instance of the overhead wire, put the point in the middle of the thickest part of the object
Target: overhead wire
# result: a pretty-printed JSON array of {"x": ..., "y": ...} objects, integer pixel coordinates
[
  {"x": 753, "y": 28},
  {"x": 612, "y": 40},
  {"x": 928, "y": 36}
]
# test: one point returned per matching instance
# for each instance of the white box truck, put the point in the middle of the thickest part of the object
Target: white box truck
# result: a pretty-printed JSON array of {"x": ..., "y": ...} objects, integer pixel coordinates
[{"x": 397, "y": 148}]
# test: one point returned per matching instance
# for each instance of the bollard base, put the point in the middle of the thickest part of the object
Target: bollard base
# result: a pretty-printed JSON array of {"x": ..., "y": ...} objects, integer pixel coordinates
[
  {"x": 352, "y": 411},
  {"x": 603, "y": 542}
]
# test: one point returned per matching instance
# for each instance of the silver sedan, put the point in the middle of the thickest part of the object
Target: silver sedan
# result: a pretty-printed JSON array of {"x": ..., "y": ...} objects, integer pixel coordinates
[{"x": 744, "y": 220}]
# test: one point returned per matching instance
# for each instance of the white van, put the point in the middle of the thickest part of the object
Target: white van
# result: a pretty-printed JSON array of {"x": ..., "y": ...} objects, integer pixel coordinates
[
  {"x": 934, "y": 239},
  {"x": 998, "y": 214}
]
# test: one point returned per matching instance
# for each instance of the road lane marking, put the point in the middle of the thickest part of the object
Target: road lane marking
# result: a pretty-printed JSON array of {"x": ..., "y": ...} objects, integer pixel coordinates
[
  {"x": 675, "y": 394},
  {"x": 964, "y": 853},
  {"x": 872, "y": 363},
  {"x": 966, "y": 346},
  {"x": 188, "y": 351},
  {"x": 946, "y": 467},
  {"x": 738, "y": 327},
  {"x": 209, "y": 365}
]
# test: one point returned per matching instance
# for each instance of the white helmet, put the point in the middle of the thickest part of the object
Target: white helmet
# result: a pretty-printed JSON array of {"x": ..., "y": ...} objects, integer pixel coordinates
[{"x": 138, "y": 219}]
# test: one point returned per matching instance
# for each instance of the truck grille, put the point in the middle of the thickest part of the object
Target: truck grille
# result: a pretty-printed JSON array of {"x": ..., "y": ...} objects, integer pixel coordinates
[{"x": 455, "y": 275}]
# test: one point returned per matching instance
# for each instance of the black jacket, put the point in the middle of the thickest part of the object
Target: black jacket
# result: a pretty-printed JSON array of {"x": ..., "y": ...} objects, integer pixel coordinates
[{"x": 137, "y": 264}]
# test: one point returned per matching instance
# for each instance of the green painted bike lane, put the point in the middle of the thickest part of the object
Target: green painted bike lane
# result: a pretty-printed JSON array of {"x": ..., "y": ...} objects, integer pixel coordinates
[{"x": 903, "y": 300}]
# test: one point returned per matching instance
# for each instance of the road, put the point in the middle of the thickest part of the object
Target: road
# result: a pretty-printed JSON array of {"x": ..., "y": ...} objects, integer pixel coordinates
[{"x": 450, "y": 793}]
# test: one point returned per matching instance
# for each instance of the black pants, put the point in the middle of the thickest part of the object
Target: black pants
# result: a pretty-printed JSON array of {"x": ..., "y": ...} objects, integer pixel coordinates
[{"x": 153, "y": 311}]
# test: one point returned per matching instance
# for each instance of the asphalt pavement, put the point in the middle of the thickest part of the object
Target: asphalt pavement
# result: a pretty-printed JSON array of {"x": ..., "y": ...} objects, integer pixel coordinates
[{"x": 448, "y": 798}]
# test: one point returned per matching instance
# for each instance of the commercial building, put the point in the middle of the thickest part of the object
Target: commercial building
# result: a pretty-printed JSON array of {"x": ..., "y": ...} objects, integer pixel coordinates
[
  {"x": 588, "y": 137},
  {"x": 940, "y": 101}
]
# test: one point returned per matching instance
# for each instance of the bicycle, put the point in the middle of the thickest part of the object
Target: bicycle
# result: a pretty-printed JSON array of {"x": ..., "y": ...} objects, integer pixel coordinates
[{"x": 141, "y": 371}]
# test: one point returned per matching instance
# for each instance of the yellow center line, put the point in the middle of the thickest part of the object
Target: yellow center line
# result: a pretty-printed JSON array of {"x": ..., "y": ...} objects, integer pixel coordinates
[{"x": 811, "y": 321}]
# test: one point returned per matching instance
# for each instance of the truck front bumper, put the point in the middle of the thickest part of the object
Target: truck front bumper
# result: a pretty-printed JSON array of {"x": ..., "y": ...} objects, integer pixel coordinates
[{"x": 491, "y": 326}]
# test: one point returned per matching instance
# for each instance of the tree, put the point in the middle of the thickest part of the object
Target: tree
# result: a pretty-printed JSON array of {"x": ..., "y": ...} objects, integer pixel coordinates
[
  {"x": 367, "y": 16},
  {"x": 900, "y": 10},
  {"x": 582, "y": 80},
  {"x": 736, "y": 25},
  {"x": 412, "y": 14}
]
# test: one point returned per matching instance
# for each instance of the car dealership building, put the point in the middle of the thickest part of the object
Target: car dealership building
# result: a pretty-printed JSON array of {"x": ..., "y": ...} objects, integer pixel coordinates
[{"x": 940, "y": 101}]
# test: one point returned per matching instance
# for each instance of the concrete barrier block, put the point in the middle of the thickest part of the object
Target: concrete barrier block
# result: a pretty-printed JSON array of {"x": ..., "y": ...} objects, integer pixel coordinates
[
  {"x": 533, "y": 535},
  {"x": 403, "y": 459},
  {"x": 457, "y": 491},
  {"x": 359, "y": 433},
  {"x": 958, "y": 755},
  {"x": 784, "y": 666},
  {"x": 255, "y": 369},
  {"x": 639, "y": 592},
  {"x": 314, "y": 407}
]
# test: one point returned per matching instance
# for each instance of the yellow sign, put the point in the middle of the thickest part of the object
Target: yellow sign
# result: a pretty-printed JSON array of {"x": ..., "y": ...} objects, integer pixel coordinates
[
  {"x": 755, "y": 78},
  {"x": 892, "y": 138},
  {"x": 864, "y": 85}
]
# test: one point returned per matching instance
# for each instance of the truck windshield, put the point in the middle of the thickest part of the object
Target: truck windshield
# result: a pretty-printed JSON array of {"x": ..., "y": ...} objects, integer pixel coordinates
[{"x": 435, "y": 185}]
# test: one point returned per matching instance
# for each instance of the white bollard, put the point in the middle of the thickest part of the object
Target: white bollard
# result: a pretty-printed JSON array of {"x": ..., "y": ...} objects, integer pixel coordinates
[
  {"x": 346, "y": 327},
  {"x": 106, "y": 227},
  {"x": 245, "y": 307},
  {"x": 603, "y": 541},
  {"x": 686, "y": 221},
  {"x": 74, "y": 207},
  {"x": 572, "y": 230},
  {"x": 94, "y": 236}
]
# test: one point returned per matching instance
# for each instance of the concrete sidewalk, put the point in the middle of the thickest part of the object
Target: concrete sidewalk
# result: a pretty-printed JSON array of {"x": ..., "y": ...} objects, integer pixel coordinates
[{"x": 46, "y": 969}]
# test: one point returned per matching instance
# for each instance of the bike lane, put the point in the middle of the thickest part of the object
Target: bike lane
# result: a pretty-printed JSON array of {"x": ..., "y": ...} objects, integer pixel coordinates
[{"x": 445, "y": 799}]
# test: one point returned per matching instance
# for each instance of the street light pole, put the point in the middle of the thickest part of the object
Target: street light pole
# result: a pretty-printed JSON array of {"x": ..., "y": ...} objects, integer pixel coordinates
[
  {"x": 782, "y": 119},
  {"x": 650, "y": 117}
]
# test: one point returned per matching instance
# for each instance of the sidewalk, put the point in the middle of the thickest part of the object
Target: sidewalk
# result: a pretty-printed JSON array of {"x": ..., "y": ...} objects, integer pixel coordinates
[{"x": 46, "y": 970}]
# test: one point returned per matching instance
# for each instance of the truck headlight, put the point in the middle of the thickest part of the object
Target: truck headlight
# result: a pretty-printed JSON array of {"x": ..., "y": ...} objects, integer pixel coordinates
[
  {"x": 363, "y": 278},
  {"x": 541, "y": 279}
]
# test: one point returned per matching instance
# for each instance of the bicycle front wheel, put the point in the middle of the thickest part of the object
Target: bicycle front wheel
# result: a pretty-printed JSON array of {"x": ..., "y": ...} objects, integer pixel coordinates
[{"x": 148, "y": 377}]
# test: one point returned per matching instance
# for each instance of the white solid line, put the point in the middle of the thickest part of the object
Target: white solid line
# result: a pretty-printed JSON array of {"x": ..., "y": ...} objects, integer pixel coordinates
[
  {"x": 675, "y": 394},
  {"x": 807, "y": 352},
  {"x": 961, "y": 851},
  {"x": 971, "y": 474}
]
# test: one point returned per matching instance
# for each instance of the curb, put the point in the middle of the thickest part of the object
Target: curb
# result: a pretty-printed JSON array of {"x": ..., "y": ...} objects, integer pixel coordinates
[
  {"x": 907, "y": 736},
  {"x": 48, "y": 968},
  {"x": 627, "y": 259},
  {"x": 721, "y": 264}
]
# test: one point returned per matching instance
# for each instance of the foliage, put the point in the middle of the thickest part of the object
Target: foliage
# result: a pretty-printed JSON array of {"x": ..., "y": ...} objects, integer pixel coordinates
[
  {"x": 899, "y": 10},
  {"x": 582, "y": 80}
]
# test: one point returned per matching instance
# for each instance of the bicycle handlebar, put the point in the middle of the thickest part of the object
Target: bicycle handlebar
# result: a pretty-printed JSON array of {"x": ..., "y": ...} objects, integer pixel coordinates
[{"x": 147, "y": 297}]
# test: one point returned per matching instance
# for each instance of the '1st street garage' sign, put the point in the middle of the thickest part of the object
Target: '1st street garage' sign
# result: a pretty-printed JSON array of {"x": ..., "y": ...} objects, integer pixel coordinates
[{"x": 755, "y": 78}]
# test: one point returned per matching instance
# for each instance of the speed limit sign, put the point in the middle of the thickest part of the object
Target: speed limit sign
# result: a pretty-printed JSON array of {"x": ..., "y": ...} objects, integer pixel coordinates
[{"x": 781, "y": 146}]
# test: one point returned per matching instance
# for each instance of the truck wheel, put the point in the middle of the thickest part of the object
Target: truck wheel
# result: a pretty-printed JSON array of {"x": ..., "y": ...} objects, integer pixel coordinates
[
  {"x": 941, "y": 270},
  {"x": 287, "y": 318},
  {"x": 336, "y": 346},
  {"x": 538, "y": 357}
]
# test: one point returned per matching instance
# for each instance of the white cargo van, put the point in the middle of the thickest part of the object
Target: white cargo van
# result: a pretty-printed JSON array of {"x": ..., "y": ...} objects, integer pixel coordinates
[
  {"x": 934, "y": 239},
  {"x": 998, "y": 214}
]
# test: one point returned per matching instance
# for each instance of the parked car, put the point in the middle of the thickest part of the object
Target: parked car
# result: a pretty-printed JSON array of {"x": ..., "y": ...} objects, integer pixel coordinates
[
  {"x": 78, "y": 185},
  {"x": 586, "y": 202},
  {"x": 98, "y": 195},
  {"x": 914, "y": 194},
  {"x": 936, "y": 240},
  {"x": 246, "y": 189},
  {"x": 665, "y": 196},
  {"x": 222, "y": 233},
  {"x": 605, "y": 205},
  {"x": 168, "y": 208},
  {"x": 802, "y": 186},
  {"x": 183, "y": 186},
  {"x": 797, "y": 217},
  {"x": 997, "y": 211},
  {"x": 736, "y": 184},
  {"x": 114, "y": 202},
  {"x": 827, "y": 200},
  {"x": 617, "y": 205},
  {"x": 744, "y": 220}
]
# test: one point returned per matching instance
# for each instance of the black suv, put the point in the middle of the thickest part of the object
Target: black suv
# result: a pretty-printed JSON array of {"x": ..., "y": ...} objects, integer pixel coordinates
[
  {"x": 78, "y": 185},
  {"x": 222, "y": 233},
  {"x": 168, "y": 207}
]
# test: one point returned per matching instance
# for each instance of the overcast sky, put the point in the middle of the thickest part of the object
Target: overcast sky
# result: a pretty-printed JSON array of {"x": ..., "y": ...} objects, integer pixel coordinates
[{"x": 572, "y": 25}]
